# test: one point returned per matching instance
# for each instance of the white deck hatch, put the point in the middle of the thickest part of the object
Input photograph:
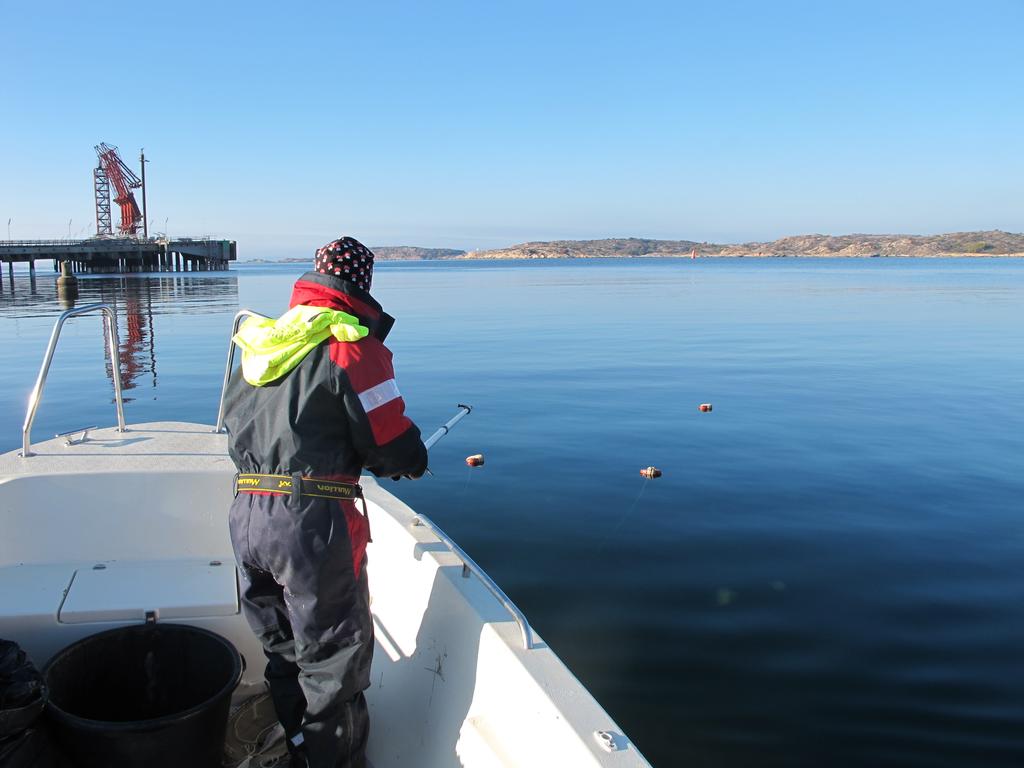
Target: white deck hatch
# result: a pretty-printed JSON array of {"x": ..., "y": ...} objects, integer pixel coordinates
[{"x": 126, "y": 591}]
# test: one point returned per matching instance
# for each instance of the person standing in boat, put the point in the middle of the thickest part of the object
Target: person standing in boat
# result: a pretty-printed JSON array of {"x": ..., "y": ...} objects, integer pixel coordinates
[{"x": 313, "y": 404}]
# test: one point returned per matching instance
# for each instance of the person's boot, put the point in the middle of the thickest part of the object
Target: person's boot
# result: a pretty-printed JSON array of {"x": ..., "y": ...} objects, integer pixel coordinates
[{"x": 296, "y": 754}]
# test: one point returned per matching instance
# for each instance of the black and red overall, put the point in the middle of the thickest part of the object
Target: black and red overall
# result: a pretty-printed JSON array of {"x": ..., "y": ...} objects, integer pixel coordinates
[{"x": 302, "y": 561}]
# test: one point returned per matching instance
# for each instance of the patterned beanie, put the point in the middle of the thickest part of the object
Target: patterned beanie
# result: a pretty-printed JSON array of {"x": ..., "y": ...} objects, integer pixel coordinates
[{"x": 348, "y": 259}]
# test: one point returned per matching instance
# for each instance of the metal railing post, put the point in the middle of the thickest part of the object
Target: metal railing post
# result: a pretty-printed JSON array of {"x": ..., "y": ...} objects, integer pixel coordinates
[
  {"x": 114, "y": 343},
  {"x": 239, "y": 316},
  {"x": 110, "y": 321}
]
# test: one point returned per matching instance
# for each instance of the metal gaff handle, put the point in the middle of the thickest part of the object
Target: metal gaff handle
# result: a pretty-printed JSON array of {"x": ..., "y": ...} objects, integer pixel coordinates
[{"x": 464, "y": 410}]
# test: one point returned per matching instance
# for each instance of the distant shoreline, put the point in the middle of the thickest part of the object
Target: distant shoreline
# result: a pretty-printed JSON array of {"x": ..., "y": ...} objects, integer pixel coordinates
[
  {"x": 652, "y": 257},
  {"x": 993, "y": 243}
]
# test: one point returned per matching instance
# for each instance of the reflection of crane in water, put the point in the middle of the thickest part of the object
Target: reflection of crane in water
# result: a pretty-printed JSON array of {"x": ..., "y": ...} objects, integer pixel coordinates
[
  {"x": 137, "y": 302},
  {"x": 139, "y": 338}
]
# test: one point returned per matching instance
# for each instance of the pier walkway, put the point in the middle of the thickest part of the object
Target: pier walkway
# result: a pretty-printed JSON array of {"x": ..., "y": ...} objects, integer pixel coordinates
[{"x": 120, "y": 255}]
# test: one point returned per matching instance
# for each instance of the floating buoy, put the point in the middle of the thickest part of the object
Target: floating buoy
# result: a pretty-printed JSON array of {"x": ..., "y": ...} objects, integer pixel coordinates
[
  {"x": 705, "y": 407},
  {"x": 476, "y": 460},
  {"x": 650, "y": 472}
]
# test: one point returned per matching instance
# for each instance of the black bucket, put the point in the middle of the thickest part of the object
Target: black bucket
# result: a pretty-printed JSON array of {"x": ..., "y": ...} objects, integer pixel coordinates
[{"x": 151, "y": 696}]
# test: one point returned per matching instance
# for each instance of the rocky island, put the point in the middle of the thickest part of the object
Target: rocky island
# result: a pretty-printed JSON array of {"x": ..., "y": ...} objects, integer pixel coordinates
[{"x": 992, "y": 243}]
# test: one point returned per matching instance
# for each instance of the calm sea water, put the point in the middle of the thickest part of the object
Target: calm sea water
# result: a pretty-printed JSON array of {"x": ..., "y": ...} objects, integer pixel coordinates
[{"x": 831, "y": 569}]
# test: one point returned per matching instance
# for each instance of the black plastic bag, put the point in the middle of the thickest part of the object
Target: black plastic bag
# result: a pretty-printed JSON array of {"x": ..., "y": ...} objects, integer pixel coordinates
[
  {"x": 22, "y": 694},
  {"x": 32, "y": 748}
]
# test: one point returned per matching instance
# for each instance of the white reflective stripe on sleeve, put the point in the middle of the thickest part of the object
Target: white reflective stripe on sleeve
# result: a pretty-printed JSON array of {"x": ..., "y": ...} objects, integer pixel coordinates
[{"x": 375, "y": 397}]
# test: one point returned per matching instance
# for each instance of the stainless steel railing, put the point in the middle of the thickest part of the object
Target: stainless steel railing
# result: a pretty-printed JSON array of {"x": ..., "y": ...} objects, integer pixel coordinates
[
  {"x": 239, "y": 316},
  {"x": 469, "y": 566},
  {"x": 110, "y": 321}
]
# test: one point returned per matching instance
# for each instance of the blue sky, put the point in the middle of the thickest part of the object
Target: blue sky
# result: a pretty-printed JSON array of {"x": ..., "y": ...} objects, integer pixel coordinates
[{"x": 484, "y": 124}]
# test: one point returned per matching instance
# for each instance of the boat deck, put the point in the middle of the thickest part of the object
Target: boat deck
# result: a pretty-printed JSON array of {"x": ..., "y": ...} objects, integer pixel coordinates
[{"x": 104, "y": 532}]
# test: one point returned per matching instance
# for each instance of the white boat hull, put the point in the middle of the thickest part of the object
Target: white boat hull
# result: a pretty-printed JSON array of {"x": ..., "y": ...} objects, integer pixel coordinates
[{"x": 103, "y": 533}]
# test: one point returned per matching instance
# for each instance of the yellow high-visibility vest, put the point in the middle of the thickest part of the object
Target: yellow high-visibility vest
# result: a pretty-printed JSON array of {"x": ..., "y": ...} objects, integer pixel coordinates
[{"x": 271, "y": 348}]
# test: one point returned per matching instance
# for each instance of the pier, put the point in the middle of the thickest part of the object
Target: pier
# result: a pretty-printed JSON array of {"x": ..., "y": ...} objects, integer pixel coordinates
[{"x": 97, "y": 255}]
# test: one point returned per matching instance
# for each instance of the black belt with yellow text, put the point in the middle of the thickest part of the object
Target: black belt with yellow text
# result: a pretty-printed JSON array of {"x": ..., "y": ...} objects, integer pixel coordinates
[{"x": 291, "y": 485}]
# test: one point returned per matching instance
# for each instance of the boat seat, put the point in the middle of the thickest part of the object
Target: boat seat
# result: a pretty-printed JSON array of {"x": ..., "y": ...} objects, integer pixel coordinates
[
  {"x": 135, "y": 591},
  {"x": 30, "y": 598},
  {"x": 32, "y": 591}
]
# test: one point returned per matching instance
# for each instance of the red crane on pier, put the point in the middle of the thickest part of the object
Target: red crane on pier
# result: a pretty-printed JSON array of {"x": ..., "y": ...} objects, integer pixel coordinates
[{"x": 111, "y": 169}]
